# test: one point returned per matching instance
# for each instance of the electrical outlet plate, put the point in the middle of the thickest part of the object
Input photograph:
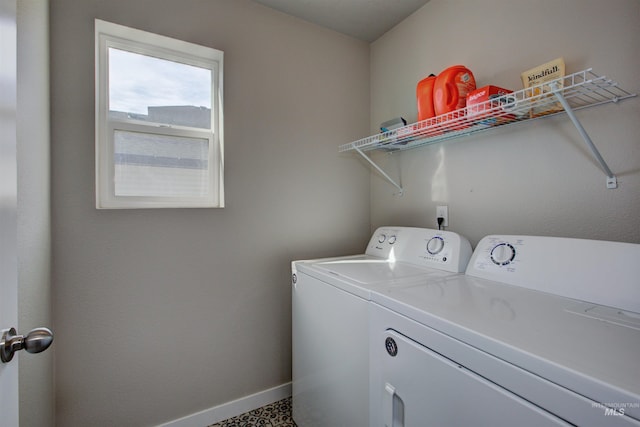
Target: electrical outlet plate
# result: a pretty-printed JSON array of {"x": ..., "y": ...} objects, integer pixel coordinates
[{"x": 443, "y": 212}]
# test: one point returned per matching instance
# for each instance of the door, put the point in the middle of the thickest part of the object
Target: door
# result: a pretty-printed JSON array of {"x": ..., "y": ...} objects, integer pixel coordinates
[
  {"x": 8, "y": 201},
  {"x": 421, "y": 387},
  {"x": 26, "y": 21}
]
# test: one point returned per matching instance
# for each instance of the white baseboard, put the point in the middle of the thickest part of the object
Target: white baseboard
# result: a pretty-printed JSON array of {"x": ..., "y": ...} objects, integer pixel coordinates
[{"x": 233, "y": 408}]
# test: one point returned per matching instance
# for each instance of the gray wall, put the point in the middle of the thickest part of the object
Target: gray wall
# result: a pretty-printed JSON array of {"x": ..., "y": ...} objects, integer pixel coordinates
[
  {"x": 34, "y": 224},
  {"x": 162, "y": 313},
  {"x": 530, "y": 178}
]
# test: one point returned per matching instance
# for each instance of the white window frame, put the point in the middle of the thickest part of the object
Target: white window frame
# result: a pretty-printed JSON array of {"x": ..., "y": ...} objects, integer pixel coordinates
[{"x": 109, "y": 35}]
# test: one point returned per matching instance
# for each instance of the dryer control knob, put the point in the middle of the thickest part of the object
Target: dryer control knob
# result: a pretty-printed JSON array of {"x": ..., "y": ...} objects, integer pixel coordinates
[
  {"x": 382, "y": 238},
  {"x": 503, "y": 254},
  {"x": 435, "y": 245}
]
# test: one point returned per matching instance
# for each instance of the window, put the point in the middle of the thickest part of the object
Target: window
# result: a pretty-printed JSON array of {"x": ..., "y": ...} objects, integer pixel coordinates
[{"x": 159, "y": 130}]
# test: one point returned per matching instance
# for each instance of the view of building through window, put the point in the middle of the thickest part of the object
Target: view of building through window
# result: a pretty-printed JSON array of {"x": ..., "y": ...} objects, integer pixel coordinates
[
  {"x": 142, "y": 87},
  {"x": 163, "y": 92}
]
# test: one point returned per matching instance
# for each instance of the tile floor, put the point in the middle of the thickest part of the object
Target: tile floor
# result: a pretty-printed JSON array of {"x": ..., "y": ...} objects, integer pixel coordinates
[{"x": 277, "y": 414}]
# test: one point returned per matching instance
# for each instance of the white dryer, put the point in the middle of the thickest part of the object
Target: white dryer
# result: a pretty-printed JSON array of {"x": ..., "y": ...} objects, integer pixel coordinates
[
  {"x": 539, "y": 331},
  {"x": 330, "y": 303}
]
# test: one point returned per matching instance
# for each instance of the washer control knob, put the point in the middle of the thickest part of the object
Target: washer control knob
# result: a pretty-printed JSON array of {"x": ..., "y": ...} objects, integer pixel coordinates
[
  {"x": 435, "y": 245},
  {"x": 382, "y": 238},
  {"x": 503, "y": 254},
  {"x": 392, "y": 239}
]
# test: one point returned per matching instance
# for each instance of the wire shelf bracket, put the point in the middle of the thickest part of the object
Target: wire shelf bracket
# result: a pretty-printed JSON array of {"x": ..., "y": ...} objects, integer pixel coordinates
[
  {"x": 612, "y": 181},
  {"x": 575, "y": 91},
  {"x": 382, "y": 172}
]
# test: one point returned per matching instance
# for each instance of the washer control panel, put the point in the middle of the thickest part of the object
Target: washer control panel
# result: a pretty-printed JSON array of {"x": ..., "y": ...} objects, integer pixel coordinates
[{"x": 443, "y": 250}]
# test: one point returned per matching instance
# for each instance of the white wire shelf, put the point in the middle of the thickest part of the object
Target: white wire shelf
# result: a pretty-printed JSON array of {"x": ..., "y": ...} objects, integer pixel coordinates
[
  {"x": 564, "y": 95},
  {"x": 582, "y": 89}
]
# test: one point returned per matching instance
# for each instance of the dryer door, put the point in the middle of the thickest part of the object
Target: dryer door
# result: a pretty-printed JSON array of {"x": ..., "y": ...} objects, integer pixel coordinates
[{"x": 422, "y": 388}]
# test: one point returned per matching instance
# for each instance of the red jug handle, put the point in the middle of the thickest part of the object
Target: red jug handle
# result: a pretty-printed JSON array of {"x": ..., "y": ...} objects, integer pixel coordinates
[{"x": 452, "y": 96}]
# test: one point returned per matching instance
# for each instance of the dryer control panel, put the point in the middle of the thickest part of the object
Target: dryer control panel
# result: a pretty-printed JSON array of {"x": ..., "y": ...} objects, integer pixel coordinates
[
  {"x": 596, "y": 271},
  {"x": 443, "y": 250}
]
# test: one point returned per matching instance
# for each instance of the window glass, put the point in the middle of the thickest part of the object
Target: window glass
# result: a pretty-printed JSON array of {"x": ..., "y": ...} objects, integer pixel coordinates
[
  {"x": 160, "y": 165},
  {"x": 143, "y": 87}
]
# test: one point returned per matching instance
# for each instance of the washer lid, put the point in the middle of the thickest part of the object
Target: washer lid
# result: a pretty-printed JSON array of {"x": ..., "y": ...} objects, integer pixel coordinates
[
  {"x": 362, "y": 274},
  {"x": 374, "y": 270}
]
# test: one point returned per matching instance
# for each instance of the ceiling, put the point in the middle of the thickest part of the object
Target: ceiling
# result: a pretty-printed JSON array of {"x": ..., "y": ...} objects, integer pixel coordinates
[{"x": 363, "y": 19}]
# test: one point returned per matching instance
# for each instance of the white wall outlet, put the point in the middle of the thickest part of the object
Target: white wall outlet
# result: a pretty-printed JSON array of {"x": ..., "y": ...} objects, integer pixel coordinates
[{"x": 443, "y": 212}]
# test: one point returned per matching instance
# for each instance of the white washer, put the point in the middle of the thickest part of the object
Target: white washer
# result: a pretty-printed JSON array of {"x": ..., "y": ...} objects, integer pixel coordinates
[
  {"x": 539, "y": 331},
  {"x": 330, "y": 303}
]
